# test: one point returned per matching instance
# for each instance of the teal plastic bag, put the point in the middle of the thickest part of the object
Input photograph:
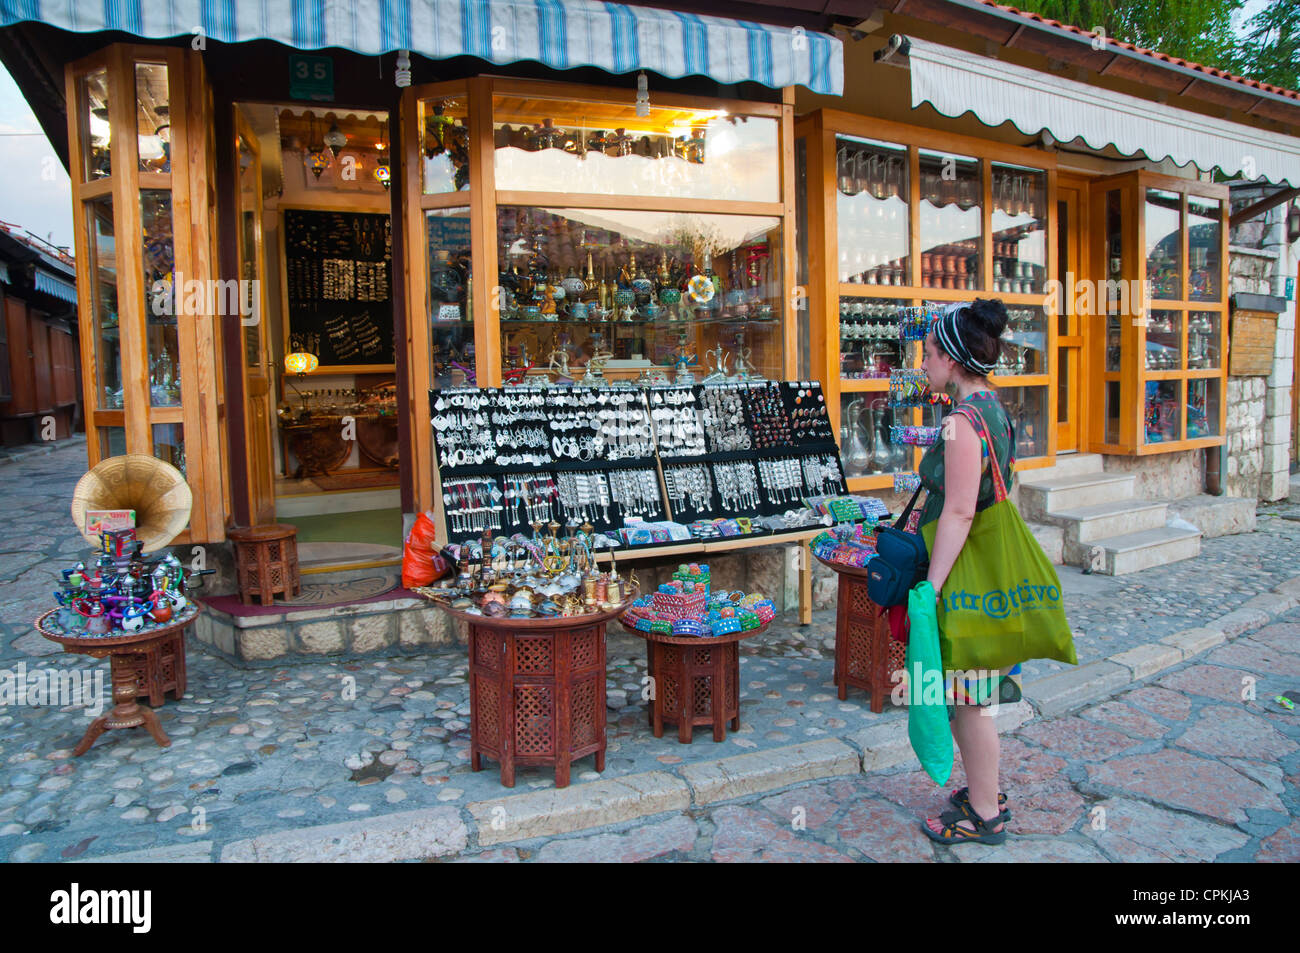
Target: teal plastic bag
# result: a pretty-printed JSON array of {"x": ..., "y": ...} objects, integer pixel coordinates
[{"x": 927, "y": 708}]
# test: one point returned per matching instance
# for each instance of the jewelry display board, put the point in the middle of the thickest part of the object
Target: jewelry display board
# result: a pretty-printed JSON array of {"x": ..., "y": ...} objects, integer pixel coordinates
[
  {"x": 512, "y": 459},
  {"x": 338, "y": 280}
]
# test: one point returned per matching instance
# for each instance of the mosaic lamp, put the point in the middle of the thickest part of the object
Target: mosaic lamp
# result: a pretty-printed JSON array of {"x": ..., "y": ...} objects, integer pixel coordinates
[{"x": 300, "y": 363}]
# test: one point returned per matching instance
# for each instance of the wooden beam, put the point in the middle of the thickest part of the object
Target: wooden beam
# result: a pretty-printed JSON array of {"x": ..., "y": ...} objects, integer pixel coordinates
[{"x": 1262, "y": 206}]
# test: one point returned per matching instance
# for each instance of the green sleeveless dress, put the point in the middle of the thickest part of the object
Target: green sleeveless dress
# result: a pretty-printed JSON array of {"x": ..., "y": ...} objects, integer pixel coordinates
[
  {"x": 931, "y": 468},
  {"x": 1006, "y": 688}
]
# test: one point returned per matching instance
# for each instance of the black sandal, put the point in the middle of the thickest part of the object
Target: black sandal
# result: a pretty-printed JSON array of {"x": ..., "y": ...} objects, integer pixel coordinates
[
  {"x": 954, "y": 833},
  {"x": 960, "y": 799}
]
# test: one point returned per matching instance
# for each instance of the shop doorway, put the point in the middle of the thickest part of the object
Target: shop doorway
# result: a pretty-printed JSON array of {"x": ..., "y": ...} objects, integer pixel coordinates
[
  {"x": 1070, "y": 214},
  {"x": 315, "y": 228}
]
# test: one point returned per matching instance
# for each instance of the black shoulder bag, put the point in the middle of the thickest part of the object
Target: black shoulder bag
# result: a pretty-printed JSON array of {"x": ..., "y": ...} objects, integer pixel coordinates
[{"x": 901, "y": 561}]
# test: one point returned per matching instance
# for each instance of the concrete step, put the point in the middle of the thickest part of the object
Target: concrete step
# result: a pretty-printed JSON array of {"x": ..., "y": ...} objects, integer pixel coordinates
[
  {"x": 1069, "y": 464},
  {"x": 1147, "y": 549},
  {"x": 1086, "y": 524},
  {"x": 1217, "y": 515},
  {"x": 344, "y": 562},
  {"x": 1042, "y": 496}
]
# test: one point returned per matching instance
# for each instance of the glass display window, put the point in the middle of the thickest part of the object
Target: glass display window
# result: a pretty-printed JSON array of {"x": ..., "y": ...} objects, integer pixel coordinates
[
  {"x": 109, "y": 392},
  {"x": 1024, "y": 342},
  {"x": 153, "y": 118},
  {"x": 1164, "y": 249},
  {"x": 867, "y": 430},
  {"x": 444, "y": 145},
  {"x": 583, "y": 287},
  {"x": 869, "y": 338},
  {"x": 605, "y": 148},
  {"x": 1204, "y": 248},
  {"x": 952, "y": 221},
  {"x": 1026, "y": 408},
  {"x": 1163, "y": 349},
  {"x": 873, "y": 212},
  {"x": 161, "y": 295},
  {"x": 1019, "y": 224},
  {"x": 96, "y": 132},
  {"x": 450, "y": 281}
]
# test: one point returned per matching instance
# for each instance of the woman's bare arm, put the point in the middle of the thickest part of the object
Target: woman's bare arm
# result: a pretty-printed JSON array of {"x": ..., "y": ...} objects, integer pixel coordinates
[{"x": 962, "y": 469}]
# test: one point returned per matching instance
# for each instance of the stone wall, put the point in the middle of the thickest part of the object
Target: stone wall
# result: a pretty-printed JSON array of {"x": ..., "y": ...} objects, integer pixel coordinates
[
  {"x": 1259, "y": 426},
  {"x": 1245, "y": 436},
  {"x": 1163, "y": 476}
]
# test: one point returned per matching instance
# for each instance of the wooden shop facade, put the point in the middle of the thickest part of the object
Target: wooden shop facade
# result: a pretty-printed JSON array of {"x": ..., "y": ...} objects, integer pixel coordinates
[{"x": 287, "y": 235}]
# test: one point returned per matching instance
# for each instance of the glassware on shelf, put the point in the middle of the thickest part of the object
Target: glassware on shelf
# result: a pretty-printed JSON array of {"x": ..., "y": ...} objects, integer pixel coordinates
[
  {"x": 873, "y": 216},
  {"x": 854, "y": 453},
  {"x": 1204, "y": 248}
]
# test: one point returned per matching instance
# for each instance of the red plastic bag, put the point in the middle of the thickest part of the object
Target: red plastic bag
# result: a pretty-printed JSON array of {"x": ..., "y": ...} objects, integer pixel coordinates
[{"x": 421, "y": 563}]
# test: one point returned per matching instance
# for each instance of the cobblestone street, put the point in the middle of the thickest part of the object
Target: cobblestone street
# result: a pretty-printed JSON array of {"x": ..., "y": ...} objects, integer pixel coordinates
[{"x": 1195, "y": 762}]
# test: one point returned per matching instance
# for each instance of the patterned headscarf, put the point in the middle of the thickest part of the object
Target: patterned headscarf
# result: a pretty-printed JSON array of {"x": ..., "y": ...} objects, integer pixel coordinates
[{"x": 948, "y": 328}]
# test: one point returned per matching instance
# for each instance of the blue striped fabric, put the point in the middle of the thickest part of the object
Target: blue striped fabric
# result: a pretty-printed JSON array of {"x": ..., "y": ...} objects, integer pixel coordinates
[{"x": 562, "y": 34}]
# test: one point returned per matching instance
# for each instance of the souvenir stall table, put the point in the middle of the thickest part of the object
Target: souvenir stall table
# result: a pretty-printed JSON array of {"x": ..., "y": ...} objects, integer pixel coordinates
[
  {"x": 696, "y": 681},
  {"x": 146, "y": 663},
  {"x": 866, "y": 654},
  {"x": 536, "y": 688}
]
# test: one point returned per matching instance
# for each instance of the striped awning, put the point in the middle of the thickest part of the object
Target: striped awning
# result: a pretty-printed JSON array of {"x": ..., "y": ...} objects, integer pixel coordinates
[
  {"x": 562, "y": 34},
  {"x": 58, "y": 287}
]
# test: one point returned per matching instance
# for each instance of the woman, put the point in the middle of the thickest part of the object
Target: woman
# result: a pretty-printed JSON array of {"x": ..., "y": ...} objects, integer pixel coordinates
[{"x": 960, "y": 352}]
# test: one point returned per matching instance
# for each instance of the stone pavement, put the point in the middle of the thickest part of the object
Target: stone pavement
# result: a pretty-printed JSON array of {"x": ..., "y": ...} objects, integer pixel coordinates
[{"x": 368, "y": 759}]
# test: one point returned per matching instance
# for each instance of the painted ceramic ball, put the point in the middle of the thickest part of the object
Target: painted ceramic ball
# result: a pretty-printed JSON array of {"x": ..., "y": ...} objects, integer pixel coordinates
[
  {"x": 494, "y": 609},
  {"x": 669, "y": 296}
]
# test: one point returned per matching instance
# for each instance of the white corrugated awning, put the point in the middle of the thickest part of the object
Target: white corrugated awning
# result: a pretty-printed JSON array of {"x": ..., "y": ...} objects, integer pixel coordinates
[
  {"x": 955, "y": 82},
  {"x": 562, "y": 34}
]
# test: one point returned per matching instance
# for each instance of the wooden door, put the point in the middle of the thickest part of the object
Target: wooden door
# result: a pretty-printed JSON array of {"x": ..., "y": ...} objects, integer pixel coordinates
[
  {"x": 257, "y": 359},
  {"x": 1071, "y": 211}
]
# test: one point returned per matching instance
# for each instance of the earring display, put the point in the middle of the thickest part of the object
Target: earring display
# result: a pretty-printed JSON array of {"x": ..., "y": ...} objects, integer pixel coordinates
[
  {"x": 724, "y": 419},
  {"x": 534, "y": 496},
  {"x": 678, "y": 431}
]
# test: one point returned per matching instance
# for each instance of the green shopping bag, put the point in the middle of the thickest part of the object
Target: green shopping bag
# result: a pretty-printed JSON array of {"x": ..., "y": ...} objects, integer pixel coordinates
[
  {"x": 1002, "y": 601},
  {"x": 927, "y": 709}
]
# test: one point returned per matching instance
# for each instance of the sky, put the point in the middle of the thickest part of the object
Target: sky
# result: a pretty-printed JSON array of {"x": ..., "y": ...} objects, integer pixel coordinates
[{"x": 35, "y": 192}]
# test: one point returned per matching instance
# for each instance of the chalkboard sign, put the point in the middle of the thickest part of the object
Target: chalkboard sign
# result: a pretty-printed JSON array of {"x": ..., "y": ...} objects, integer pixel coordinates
[{"x": 338, "y": 272}]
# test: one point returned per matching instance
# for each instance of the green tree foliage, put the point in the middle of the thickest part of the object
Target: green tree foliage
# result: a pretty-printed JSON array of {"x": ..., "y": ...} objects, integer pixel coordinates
[
  {"x": 1196, "y": 30},
  {"x": 1271, "y": 52}
]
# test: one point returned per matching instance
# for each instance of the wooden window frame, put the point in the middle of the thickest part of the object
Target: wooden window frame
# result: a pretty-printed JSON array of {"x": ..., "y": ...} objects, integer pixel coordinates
[
  {"x": 1133, "y": 374},
  {"x": 190, "y": 109},
  {"x": 482, "y": 198}
]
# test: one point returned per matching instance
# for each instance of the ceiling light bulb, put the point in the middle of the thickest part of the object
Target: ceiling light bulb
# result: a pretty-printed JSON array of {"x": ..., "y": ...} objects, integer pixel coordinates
[{"x": 403, "y": 75}]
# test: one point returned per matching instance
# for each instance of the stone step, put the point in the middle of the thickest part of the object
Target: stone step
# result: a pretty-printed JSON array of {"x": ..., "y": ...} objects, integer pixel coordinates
[
  {"x": 1217, "y": 515},
  {"x": 1069, "y": 464},
  {"x": 1147, "y": 549},
  {"x": 1085, "y": 525},
  {"x": 1042, "y": 496},
  {"x": 1052, "y": 539}
]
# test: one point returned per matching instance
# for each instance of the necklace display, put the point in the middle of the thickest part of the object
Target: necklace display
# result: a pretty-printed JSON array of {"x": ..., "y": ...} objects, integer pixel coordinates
[
  {"x": 729, "y": 453},
  {"x": 472, "y": 505}
]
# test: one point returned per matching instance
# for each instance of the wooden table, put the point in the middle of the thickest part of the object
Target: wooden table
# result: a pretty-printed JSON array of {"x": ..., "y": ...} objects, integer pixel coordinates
[
  {"x": 866, "y": 655},
  {"x": 266, "y": 562},
  {"x": 686, "y": 672},
  {"x": 537, "y": 690},
  {"x": 142, "y": 664}
]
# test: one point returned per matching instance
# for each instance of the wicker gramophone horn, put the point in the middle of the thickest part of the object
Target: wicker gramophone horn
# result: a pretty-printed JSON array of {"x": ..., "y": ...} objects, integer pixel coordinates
[{"x": 154, "y": 489}]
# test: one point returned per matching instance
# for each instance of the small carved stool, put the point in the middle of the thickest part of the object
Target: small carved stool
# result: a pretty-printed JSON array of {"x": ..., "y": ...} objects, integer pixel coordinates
[{"x": 266, "y": 562}]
